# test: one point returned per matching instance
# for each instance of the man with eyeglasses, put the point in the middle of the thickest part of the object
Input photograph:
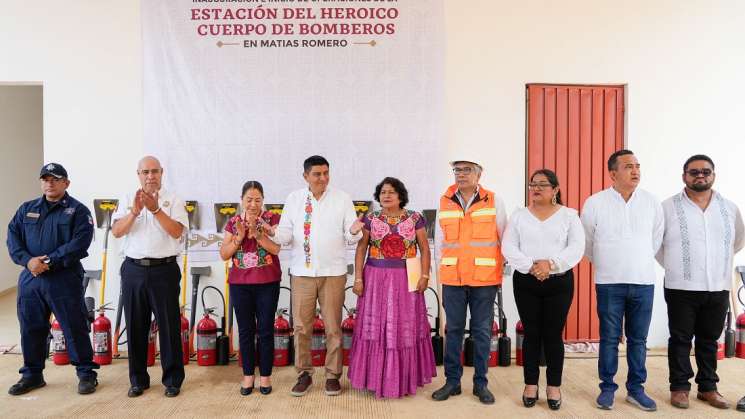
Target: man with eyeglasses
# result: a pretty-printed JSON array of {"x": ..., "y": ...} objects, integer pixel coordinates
[
  {"x": 703, "y": 231},
  {"x": 48, "y": 237},
  {"x": 472, "y": 220},
  {"x": 151, "y": 221},
  {"x": 623, "y": 226}
]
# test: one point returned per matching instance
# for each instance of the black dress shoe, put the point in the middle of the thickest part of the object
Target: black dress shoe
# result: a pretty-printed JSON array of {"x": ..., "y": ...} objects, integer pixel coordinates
[
  {"x": 136, "y": 391},
  {"x": 87, "y": 386},
  {"x": 265, "y": 390},
  {"x": 25, "y": 385},
  {"x": 530, "y": 401},
  {"x": 554, "y": 404},
  {"x": 245, "y": 391},
  {"x": 741, "y": 405},
  {"x": 484, "y": 395},
  {"x": 444, "y": 392},
  {"x": 172, "y": 391}
]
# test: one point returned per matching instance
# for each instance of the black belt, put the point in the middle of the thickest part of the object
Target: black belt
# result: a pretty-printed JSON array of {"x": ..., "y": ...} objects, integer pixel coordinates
[{"x": 152, "y": 261}]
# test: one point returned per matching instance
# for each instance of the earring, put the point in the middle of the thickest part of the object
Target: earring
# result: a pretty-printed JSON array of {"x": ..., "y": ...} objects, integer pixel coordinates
[{"x": 553, "y": 200}]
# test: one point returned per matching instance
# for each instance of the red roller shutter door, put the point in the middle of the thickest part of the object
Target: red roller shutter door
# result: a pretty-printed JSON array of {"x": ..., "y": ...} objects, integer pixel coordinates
[{"x": 572, "y": 129}]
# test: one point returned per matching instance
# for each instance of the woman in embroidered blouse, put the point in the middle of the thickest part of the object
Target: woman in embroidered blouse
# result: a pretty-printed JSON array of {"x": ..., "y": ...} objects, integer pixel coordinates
[
  {"x": 254, "y": 283},
  {"x": 391, "y": 350},
  {"x": 543, "y": 242}
]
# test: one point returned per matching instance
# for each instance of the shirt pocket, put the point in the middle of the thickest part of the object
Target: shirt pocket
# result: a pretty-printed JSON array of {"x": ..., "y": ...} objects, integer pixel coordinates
[
  {"x": 484, "y": 226},
  {"x": 64, "y": 233},
  {"x": 450, "y": 228},
  {"x": 31, "y": 227}
]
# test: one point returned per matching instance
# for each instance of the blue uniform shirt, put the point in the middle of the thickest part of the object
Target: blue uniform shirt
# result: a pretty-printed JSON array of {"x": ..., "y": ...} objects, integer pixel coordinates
[{"x": 62, "y": 230}]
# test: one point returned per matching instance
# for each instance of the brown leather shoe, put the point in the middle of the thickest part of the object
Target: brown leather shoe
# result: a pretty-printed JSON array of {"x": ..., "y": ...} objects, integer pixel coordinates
[
  {"x": 333, "y": 387},
  {"x": 679, "y": 399},
  {"x": 713, "y": 398},
  {"x": 304, "y": 382}
]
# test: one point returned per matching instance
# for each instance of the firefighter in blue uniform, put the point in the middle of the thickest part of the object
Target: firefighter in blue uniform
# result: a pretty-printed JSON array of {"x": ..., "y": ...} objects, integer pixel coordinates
[{"x": 47, "y": 237}]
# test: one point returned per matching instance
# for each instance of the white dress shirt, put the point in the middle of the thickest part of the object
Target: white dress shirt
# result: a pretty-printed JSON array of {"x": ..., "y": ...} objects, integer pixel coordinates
[
  {"x": 699, "y": 245},
  {"x": 147, "y": 238},
  {"x": 559, "y": 238},
  {"x": 331, "y": 219},
  {"x": 622, "y": 238}
]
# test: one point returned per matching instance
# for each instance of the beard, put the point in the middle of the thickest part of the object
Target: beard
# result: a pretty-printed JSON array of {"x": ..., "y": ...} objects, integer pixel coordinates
[{"x": 700, "y": 187}]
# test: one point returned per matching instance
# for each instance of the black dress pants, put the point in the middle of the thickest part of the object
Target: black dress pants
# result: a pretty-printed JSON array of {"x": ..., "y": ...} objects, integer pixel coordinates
[
  {"x": 698, "y": 314},
  {"x": 543, "y": 308},
  {"x": 145, "y": 290}
]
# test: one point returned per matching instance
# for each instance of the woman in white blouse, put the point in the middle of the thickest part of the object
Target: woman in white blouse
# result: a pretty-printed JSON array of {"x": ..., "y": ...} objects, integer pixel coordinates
[{"x": 543, "y": 242}]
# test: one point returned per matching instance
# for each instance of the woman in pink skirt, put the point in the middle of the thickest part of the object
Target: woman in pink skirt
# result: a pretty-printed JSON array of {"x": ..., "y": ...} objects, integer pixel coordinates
[{"x": 391, "y": 351}]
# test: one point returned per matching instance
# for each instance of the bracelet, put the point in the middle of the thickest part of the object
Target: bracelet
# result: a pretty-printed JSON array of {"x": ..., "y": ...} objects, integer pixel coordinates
[
  {"x": 156, "y": 211},
  {"x": 357, "y": 280},
  {"x": 425, "y": 276}
]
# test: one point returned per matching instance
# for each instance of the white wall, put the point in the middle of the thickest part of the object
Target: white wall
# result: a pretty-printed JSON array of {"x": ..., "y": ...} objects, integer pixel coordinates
[
  {"x": 682, "y": 61},
  {"x": 21, "y": 139}
]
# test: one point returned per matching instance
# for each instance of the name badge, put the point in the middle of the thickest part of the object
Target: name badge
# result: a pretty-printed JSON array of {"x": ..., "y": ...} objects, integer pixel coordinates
[
  {"x": 69, "y": 211},
  {"x": 32, "y": 214}
]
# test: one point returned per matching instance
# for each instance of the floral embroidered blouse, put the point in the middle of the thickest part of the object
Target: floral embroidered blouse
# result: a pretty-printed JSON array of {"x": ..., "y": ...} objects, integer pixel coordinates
[
  {"x": 252, "y": 264},
  {"x": 393, "y": 237}
]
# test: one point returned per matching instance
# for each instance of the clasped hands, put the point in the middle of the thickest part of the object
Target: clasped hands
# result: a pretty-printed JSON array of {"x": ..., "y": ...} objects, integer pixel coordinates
[
  {"x": 253, "y": 227},
  {"x": 541, "y": 269},
  {"x": 144, "y": 200}
]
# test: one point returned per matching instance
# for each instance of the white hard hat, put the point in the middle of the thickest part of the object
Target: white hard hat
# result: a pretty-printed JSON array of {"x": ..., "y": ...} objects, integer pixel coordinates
[{"x": 465, "y": 160}]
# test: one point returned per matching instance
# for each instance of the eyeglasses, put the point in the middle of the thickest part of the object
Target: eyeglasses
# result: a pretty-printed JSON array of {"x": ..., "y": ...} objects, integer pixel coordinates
[
  {"x": 539, "y": 186},
  {"x": 464, "y": 170},
  {"x": 146, "y": 172},
  {"x": 701, "y": 172}
]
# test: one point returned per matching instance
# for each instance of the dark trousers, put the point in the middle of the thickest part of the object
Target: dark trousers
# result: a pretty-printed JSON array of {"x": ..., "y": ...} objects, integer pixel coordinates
[
  {"x": 61, "y": 294},
  {"x": 700, "y": 314},
  {"x": 543, "y": 308},
  {"x": 146, "y": 290},
  {"x": 255, "y": 305},
  {"x": 480, "y": 302}
]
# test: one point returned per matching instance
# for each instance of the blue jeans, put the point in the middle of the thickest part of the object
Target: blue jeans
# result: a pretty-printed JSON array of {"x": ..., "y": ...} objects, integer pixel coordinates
[
  {"x": 480, "y": 301},
  {"x": 634, "y": 302}
]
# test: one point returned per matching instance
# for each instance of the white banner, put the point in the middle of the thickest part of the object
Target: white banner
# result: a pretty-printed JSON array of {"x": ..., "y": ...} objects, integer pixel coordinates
[{"x": 246, "y": 90}]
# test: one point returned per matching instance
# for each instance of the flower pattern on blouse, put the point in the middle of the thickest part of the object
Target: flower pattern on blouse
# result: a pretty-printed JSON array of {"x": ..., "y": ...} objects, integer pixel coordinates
[
  {"x": 243, "y": 259},
  {"x": 393, "y": 237}
]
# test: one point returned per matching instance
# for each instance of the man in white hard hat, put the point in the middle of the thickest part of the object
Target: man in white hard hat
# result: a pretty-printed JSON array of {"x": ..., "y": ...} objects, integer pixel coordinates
[{"x": 472, "y": 220}]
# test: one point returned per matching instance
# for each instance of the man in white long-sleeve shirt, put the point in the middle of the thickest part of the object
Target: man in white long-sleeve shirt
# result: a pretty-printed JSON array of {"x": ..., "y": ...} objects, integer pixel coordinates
[
  {"x": 318, "y": 221},
  {"x": 623, "y": 231},
  {"x": 703, "y": 231}
]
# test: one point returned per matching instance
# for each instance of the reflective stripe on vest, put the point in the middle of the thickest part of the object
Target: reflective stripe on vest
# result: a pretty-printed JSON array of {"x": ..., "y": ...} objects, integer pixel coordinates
[
  {"x": 485, "y": 262},
  {"x": 451, "y": 214},
  {"x": 483, "y": 244},
  {"x": 449, "y": 261},
  {"x": 484, "y": 211}
]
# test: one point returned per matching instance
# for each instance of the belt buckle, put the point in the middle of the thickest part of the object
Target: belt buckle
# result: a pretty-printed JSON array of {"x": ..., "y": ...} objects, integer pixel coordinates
[{"x": 145, "y": 262}]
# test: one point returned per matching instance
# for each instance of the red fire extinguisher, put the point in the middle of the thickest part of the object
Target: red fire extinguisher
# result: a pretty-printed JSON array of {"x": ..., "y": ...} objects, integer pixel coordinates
[
  {"x": 59, "y": 346},
  {"x": 347, "y": 334},
  {"x": 184, "y": 336},
  {"x": 318, "y": 342},
  {"x": 102, "y": 338},
  {"x": 520, "y": 333},
  {"x": 494, "y": 345},
  {"x": 720, "y": 347},
  {"x": 281, "y": 340},
  {"x": 207, "y": 340},
  {"x": 151, "y": 338},
  {"x": 740, "y": 347}
]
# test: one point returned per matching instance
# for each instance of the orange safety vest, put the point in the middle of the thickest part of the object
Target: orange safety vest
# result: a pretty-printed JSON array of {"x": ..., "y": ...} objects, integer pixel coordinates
[{"x": 470, "y": 250}]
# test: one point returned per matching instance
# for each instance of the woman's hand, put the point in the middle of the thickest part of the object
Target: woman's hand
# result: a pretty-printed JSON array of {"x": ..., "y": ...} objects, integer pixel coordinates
[
  {"x": 358, "y": 288},
  {"x": 240, "y": 230},
  {"x": 421, "y": 286},
  {"x": 265, "y": 228},
  {"x": 541, "y": 269},
  {"x": 357, "y": 225}
]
